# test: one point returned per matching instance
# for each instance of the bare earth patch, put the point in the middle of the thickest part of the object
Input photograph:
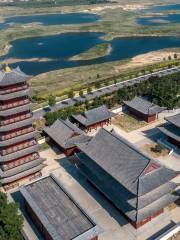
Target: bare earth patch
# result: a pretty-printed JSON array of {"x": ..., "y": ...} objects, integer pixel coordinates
[
  {"x": 155, "y": 150},
  {"x": 128, "y": 123},
  {"x": 153, "y": 57}
]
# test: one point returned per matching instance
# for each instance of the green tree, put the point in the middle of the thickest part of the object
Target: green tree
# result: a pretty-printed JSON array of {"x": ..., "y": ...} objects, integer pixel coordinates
[
  {"x": 71, "y": 94},
  {"x": 51, "y": 100},
  {"x": 81, "y": 93},
  {"x": 97, "y": 85},
  {"x": 169, "y": 57},
  {"x": 11, "y": 221},
  {"x": 175, "y": 56},
  {"x": 89, "y": 90},
  {"x": 115, "y": 81}
]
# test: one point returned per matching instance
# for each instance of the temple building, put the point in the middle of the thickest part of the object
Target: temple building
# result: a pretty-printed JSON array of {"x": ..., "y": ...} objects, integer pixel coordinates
[
  {"x": 56, "y": 214},
  {"x": 97, "y": 117},
  {"x": 143, "y": 109},
  {"x": 140, "y": 187},
  {"x": 19, "y": 156},
  {"x": 65, "y": 134},
  {"x": 171, "y": 129}
]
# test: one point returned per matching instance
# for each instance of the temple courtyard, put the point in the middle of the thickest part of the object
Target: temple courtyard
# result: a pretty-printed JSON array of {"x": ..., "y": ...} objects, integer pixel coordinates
[
  {"x": 114, "y": 224},
  {"x": 107, "y": 216}
]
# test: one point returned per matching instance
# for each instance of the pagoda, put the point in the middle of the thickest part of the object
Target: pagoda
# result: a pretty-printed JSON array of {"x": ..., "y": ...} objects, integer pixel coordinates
[{"x": 19, "y": 156}]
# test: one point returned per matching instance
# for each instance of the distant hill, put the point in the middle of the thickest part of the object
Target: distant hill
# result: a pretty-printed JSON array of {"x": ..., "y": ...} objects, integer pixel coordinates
[{"x": 48, "y": 3}]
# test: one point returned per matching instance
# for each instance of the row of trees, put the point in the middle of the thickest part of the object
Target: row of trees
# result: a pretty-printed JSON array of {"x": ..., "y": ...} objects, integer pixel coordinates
[
  {"x": 51, "y": 117},
  {"x": 101, "y": 81},
  {"x": 164, "y": 91},
  {"x": 10, "y": 221}
]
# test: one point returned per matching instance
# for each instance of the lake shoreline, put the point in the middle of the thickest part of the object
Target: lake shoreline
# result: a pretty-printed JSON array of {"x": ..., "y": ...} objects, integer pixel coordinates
[
  {"x": 100, "y": 50},
  {"x": 8, "y": 45}
]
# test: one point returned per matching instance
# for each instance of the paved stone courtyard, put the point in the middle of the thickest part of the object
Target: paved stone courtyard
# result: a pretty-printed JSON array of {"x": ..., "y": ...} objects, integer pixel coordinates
[{"x": 115, "y": 226}]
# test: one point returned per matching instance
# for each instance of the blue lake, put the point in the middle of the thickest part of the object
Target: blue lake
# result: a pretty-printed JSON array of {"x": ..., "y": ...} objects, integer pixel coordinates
[
  {"x": 51, "y": 19},
  {"x": 54, "y": 51},
  {"x": 161, "y": 8},
  {"x": 159, "y": 20}
]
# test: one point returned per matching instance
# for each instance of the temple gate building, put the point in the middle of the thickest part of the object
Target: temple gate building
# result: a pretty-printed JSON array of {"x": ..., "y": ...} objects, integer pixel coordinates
[
  {"x": 139, "y": 186},
  {"x": 19, "y": 156}
]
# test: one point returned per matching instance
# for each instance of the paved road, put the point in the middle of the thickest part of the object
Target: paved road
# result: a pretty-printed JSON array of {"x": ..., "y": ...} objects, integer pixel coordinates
[{"x": 102, "y": 91}]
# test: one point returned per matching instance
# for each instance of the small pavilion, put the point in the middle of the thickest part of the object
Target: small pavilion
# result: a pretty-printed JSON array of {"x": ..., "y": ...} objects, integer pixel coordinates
[
  {"x": 97, "y": 117},
  {"x": 144, "y": 109}
]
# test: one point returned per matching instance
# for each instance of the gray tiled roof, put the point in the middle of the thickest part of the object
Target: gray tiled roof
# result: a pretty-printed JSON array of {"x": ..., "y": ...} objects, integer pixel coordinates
[
  {"x": 155, "y": 194},
  {"x": 16, "y": 125},
  {"x": 16, "y": 110},
  {"x": 14, "y": 95},
  {"x": 154, "y": 179},
  {"x": 94, "y": 116},
  {"x": 144, "y": 106},
  {"x": 171, "y": 131},
  {"x": 60, "y": 214},
  {"x": 15, "y": 140},
  {"x": 110, "y": 158},
  {"x": 112, "y": 153},
  {"x": 21, "y": 168},
  {"x": 12, "y": 77},
  {"x": 19, "y": 154},
  {"x": 65, "y": 134},
  {"x": 22, "y": 174},
  {"x": 156, "y": 206},
  {"x": 175, "y": 120}
]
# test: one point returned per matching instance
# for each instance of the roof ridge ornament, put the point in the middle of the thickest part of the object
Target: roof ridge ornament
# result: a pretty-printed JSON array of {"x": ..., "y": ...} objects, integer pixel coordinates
[{"x": 7, "y": 69}]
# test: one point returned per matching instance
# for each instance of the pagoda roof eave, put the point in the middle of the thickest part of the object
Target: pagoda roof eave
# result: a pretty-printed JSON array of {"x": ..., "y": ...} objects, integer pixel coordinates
[{"x": 21, "y": 168}]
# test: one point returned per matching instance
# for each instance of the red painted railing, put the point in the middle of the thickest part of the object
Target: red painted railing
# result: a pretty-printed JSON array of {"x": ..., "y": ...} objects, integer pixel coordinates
[
  {"x": 18, "y": 147},
  {"x": 15, "y": 119},
  {"x": 14, "y": 104},
  {"x": 17, "y": 133},
  {"x": 13, "y": 89},
  {"x": 21, "y": 161}
]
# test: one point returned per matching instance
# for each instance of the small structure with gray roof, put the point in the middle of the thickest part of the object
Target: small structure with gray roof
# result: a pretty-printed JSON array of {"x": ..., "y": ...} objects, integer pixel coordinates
[
  {"x": 65, "y": 134},
  {"x": 140, "y": 187},
  {"x": 172, "y": 129},
  {"x": 143, "y": 108},
  {"x": 56, "y": 213},
  {"x": 93, "y": 118}
]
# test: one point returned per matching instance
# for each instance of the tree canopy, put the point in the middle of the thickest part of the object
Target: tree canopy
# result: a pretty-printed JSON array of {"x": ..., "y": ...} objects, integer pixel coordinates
[
  {"x": 51, "y": 100},
  {"x": 10, "y": 220}
]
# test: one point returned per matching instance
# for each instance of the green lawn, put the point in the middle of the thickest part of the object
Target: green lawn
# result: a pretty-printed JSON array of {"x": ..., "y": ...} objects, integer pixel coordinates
[{"x": 128, "y": 123}]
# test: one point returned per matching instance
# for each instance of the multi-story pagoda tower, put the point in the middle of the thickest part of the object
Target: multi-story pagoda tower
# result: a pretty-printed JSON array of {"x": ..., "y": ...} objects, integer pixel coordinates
[{"x": 19, "y": 156}]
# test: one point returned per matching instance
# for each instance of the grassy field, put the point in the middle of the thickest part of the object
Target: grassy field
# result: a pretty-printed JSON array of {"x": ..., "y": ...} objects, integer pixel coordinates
[
  {"x": 114, "y": 22},
  {"x": 128, "y": 123},
  {"x": 155, "y": 150},
  {"x": 50, "y": 3},
  {"x": 75, "y": 78},
  {"x": 61, "y": 81},
  {"x": 100, "y": 50}
]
